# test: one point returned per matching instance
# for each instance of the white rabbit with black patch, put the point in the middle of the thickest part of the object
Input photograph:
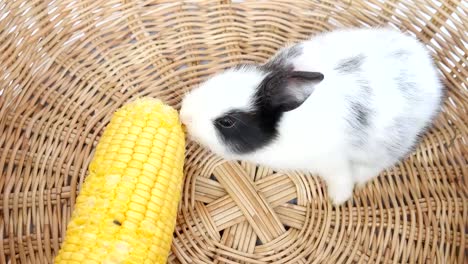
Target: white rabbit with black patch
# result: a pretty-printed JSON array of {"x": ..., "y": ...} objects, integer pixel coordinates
[{"x": 345, "y": 105}]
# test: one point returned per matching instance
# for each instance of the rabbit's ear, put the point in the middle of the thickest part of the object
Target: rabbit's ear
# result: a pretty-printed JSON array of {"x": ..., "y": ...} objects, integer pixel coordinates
[{"x": 286, "y": 90}]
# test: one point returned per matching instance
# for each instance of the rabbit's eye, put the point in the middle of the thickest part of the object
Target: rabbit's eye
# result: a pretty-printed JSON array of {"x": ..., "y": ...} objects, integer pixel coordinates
[{"x": 226, "y": 122}]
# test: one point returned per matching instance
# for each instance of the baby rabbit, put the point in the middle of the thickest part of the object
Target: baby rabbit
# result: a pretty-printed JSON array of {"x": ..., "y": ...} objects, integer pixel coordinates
[{"x": 345, "y": 105}]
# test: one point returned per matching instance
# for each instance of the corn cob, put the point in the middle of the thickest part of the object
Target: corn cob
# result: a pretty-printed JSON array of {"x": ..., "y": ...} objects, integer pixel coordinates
[{"x": 127, "y": 206}]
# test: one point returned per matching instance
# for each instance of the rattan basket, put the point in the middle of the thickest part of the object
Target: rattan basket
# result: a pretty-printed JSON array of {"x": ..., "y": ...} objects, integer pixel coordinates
[{"x": 65, "y": 66}]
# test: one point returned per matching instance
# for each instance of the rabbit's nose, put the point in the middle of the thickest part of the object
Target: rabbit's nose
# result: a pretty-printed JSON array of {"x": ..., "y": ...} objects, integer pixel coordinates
[{"x": 185, "y": 118}]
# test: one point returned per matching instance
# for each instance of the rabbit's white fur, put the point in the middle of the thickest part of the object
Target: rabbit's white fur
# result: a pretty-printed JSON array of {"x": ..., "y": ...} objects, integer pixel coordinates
[{"x": 315, "y": 137}]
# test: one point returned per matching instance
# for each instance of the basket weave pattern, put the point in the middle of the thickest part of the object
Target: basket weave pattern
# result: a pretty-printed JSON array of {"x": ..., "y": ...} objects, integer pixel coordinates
[{"x": 65, "y": 66}]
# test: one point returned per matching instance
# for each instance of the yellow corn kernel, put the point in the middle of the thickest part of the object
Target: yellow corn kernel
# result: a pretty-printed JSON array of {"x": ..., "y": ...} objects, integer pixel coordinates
[{"x": 126, "y": 209}]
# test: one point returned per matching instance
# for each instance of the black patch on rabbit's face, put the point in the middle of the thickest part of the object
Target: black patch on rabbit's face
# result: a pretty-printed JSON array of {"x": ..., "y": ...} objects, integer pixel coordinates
[
  {"x": 282, "y": 90},
  {"x": 250, "y": 130},
  {"x": 351, "y": 65}
]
